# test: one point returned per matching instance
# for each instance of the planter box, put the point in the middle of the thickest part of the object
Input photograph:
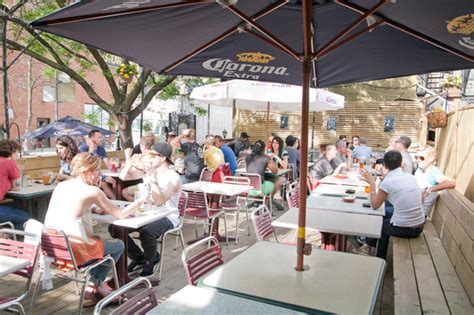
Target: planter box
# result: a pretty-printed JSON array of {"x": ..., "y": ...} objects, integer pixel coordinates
[{"x": 437, "y": 119}]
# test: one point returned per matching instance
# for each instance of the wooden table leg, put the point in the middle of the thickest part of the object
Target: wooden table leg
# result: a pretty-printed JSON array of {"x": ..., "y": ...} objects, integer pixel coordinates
[{"x": 122, "y": 273}]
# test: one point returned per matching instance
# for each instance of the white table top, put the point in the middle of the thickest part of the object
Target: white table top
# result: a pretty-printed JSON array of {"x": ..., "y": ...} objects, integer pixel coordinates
[
  {"x": 329, "y": 203},
  {"x": 334, "y": 222},
  {"x": 31, "y": 191},
  {"x": 110, "y": 173},
  {"x": 335, "y": 282},
  {"x": 216, "y": 188},
  {"x": 138, "y": 221},
  {"x": 10, "y": 265},
  {"x": 339, "y": 190},
  {"x": 197, "y": 300},
  {"x": 280, "y": 172},
  {"x": 351, "y": 179}
]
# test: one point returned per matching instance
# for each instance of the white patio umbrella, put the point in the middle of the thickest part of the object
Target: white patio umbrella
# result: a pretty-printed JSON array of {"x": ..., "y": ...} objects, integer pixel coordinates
[{"x": 256, "y": 95}]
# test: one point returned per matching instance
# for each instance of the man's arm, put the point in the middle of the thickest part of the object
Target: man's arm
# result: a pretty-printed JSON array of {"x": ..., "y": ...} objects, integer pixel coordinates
[
  {"x": 376, "y": 198},
  {"x": 443, "y": 183},
  {"x": 105, "y": 204}
]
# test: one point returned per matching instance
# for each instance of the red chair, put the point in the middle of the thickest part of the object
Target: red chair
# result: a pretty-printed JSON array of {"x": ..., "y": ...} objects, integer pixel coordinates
[
  {"x": 177, "y": 231},
  {"x": 55, "y": 245},
  {"x": 198, "y": 263},
  {"x": 262, "y": 223},
  {"x": 293, "y": 195},
  {"x": 141, "y": 303},
  {"x": 22, "y": 250},
  {"x": 206, "y": 174},
  {"x": 238, "y": 203},
  {"x": 199, "y": 209}
]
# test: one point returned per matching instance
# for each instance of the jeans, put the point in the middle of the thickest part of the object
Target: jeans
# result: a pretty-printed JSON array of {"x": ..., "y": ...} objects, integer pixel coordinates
[
  {"x": 388, "y": 229},
  {"x": 113, "y": 247},
  {"x": 148, "y": 236},
  {"x": 388, "y": 209},
  {"x": 15, "y": 216}
]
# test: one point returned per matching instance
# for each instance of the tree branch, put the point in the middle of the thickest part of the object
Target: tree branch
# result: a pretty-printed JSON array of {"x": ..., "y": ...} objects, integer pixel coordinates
[
  {"x": 150, "y": 94},
  {"x": 107, "y": 74},
  {"x": 69, "y": 50}
]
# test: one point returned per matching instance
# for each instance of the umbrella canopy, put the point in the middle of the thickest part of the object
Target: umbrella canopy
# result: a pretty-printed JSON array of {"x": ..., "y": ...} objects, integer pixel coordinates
[
  {"x": 318, "y": 42},
  {"x": 66, "y": 126},
  {"x": 256, "y": 95}
]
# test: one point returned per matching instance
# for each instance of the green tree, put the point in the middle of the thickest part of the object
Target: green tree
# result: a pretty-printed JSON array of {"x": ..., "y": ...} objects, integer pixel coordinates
[{"x": 76, "y": 60}]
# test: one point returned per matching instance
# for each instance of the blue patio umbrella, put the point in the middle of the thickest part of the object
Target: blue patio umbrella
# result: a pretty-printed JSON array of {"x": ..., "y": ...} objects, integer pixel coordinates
[
  {"x": 305, "y": 42},
  {"x": 66, "y": 126}
]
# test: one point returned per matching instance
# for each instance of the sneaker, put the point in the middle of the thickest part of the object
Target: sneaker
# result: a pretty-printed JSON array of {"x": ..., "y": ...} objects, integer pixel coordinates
[
  {"x": 149, "y": 266},
  {"x": 360, "y": 240},
  {"x": 363, "y": 250},
  {"x": 134, "y": 265}
]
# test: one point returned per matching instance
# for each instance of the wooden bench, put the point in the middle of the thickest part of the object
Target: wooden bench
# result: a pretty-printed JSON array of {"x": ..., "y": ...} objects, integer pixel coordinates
[{"x": 425, "y": 281}]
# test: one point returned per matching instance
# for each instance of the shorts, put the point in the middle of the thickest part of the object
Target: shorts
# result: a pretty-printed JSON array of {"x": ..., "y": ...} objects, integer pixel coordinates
[
  {"x": 267, "y": 188},
  {"x": 132, "y": 189}
]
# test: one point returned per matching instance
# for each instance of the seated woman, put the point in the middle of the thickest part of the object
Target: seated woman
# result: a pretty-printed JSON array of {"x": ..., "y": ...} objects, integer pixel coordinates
[
  {"x": 10, "y": 179},
  {"x": 257, "y": 162},
  {"x": 69, "y": 210},
  {"x": 322, "y": 167},
  {"x": 280, "y": 157},
  {"x": 66, "y": 149}
]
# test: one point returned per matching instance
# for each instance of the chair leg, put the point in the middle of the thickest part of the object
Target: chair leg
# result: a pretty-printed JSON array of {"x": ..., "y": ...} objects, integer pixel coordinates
[
  {"x": 77, "y": 284},
  {"x": 182, "y": 238},
  {"x": 84, "y": 285},
  {"x": 225, "y": 230},
  {"x": 35, "y": 292},
  {"x": 237, "y": 227},
  {"x": 162, "y": 249}
]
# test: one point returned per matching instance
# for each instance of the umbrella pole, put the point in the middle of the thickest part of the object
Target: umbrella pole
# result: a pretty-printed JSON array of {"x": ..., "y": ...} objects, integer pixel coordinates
[
  {"x": 306, "y": 65},
  {"x": 267, "y": 126}
]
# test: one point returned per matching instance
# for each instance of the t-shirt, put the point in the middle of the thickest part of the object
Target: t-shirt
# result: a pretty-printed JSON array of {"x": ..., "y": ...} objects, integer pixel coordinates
[
  {"x": 426, "y": 180},
  {"x": 229, "y": 157},
  {"x": 173, "y": 202},
  {"x": 193, "y": 160},
  {"x": 362, "y": 152},
  {"x": 321, "y": 168},
  {"x": 294, "y": 158},
  {"x": 240, "y": 146},
  {"x": 405, "y": 196},
  {"x": 407, "y": 163},
  {"x": 100, "y": 151},
  {"x": 257, "y": 165},
  {"x": 65, "y": 167},
  {"x": 213, "y": 157},
  {"x": 8, "y": 173},
  {"x": 338, "y": 160}
]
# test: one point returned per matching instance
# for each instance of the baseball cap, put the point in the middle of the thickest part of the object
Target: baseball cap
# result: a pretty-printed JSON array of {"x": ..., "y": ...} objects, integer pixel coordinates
[
  {"x": 244, "y": 135},
  {"x": 163, "y": 149}
]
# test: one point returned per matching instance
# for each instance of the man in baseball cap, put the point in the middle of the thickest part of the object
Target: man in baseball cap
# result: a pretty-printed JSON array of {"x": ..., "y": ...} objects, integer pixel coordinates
[{"x": 240, "y": 144}]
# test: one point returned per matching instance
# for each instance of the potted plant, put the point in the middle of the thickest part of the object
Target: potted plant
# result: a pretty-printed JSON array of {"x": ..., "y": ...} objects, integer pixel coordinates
[
  {"x": 452, "y": 85},
  {"x": 437, "y": 118},
  {"x": 126, "y": 72}
]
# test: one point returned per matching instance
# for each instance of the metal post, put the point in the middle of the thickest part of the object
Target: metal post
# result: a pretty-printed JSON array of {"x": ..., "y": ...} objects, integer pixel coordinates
[
  {"x": 5, "y": 70},
  {"x": 56, "y": 96},
  {"x": 142, "y": 81}
]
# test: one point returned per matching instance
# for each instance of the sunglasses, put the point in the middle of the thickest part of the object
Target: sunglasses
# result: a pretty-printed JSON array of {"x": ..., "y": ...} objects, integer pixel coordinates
[{"x": 153, "y": 154}]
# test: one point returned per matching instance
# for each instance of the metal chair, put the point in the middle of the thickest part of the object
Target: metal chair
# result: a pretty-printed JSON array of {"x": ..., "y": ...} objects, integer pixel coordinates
[
  {"x": 237, "y": 203},
  {"x": 198, "y": 207},
  {"x": 206, "y": 174},
  {"x": 262, "y": 223},
  {"x": 293, "y": 195},
  {"x": 203, "y": 261},
  {"x": 256, "y": 194},
  {"x": 28, "y": 250},
  {"x": 55, "y": 245},
  {"x": 141, "y": 303},
  {"x": 177, "y": 231}
]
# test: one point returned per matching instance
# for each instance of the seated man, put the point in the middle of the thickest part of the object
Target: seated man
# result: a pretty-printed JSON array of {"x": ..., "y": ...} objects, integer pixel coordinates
[
  {"x": 402, "y": 191},
  {"x": 164, "y": 190},
  {"x": 430, "y": 178}
]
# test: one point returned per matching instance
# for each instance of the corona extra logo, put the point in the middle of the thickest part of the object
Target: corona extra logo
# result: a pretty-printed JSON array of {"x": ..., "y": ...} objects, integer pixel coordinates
[
  {"x": 463, "y": 25},
  {"x": 256, "y": 57}
]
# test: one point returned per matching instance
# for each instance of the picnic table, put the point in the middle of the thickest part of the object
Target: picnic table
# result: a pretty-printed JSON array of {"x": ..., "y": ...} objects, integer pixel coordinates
[
  {"x": 333, "y": 282},
  {"x": 197, "y": 300},
  {"x": 122, "y": 227},
  {"x": 33, "y": 198}
]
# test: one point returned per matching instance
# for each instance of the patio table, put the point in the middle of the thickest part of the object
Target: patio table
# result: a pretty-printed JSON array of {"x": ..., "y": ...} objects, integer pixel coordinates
[
  {"x": 347, "y": 180},
  {"x": 345, "y": 218},
  {"x": 33, "y": 198},
  {"x": 122, "y": 227},
  {"x": 280, "y": 172},
  {"x": 339, "y": 191},
  {"x": 198, "y": 300},
  {"x": 120, "y": 184},
  {"x": 10, "y": 265},
  {"x": 333, "y": 282},
  {"x": 229, "y": 190}
]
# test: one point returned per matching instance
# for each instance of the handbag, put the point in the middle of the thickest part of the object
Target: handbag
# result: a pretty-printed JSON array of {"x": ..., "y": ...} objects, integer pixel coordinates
[{"x": 84, "y": 252}]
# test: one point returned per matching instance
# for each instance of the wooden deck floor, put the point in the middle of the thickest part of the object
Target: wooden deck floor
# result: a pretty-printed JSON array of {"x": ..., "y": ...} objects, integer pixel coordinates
[{"x": 63, "y": 300}]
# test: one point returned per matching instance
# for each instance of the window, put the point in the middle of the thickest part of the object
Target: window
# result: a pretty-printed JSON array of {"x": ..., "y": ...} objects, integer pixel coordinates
[{"x": 96, "y": 116}]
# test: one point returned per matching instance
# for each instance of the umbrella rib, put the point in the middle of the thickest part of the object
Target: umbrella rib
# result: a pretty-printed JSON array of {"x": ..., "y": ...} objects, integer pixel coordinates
[
  {"x": 341, "y": 34},
  {"x": 222, "y": 36},
  {"x": 411, "y": 32},
  {"x": 284, "y": 48},
  {"x": 96, "y": 16}
]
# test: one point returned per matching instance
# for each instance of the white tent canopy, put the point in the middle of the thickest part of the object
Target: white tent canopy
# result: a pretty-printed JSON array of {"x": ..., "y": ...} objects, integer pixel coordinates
[{"x": 255, "y": 95}]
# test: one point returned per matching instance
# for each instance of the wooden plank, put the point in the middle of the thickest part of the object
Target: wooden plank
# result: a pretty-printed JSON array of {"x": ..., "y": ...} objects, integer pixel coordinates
[
  {"x": 406, "y": 297},
  {"x": 456, "y": 296},
  {"x": 431, "y": 295}
]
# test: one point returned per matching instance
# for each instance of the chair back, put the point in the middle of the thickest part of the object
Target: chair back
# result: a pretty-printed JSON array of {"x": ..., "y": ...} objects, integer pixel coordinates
[
  {"x": 22, "y": 250},
  {"x": 196, "y": 200},
  {"x": 293, "y": 174},
  {"x": 183, "y": 202},
  {"x": 262, "y": 222},
  {"x": 206, "y": 174},
  {"x": 241, "y": 163},
  {"x": 55, "y": 244},
  {"x": 255, "y": 180},
  {"x": 141, "y": 303},
  {"x": 293, "y": 195},
  {"x": 198, "y": 263}
]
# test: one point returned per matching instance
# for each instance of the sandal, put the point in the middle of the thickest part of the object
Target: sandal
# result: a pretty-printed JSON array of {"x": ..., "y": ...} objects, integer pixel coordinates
[{"x": 90, "y": 297}]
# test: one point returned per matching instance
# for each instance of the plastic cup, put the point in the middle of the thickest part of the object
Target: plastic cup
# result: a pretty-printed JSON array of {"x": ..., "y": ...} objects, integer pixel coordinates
[
  {"x": 367, "y": 189},
  {"x": 46, "y": 179}
]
